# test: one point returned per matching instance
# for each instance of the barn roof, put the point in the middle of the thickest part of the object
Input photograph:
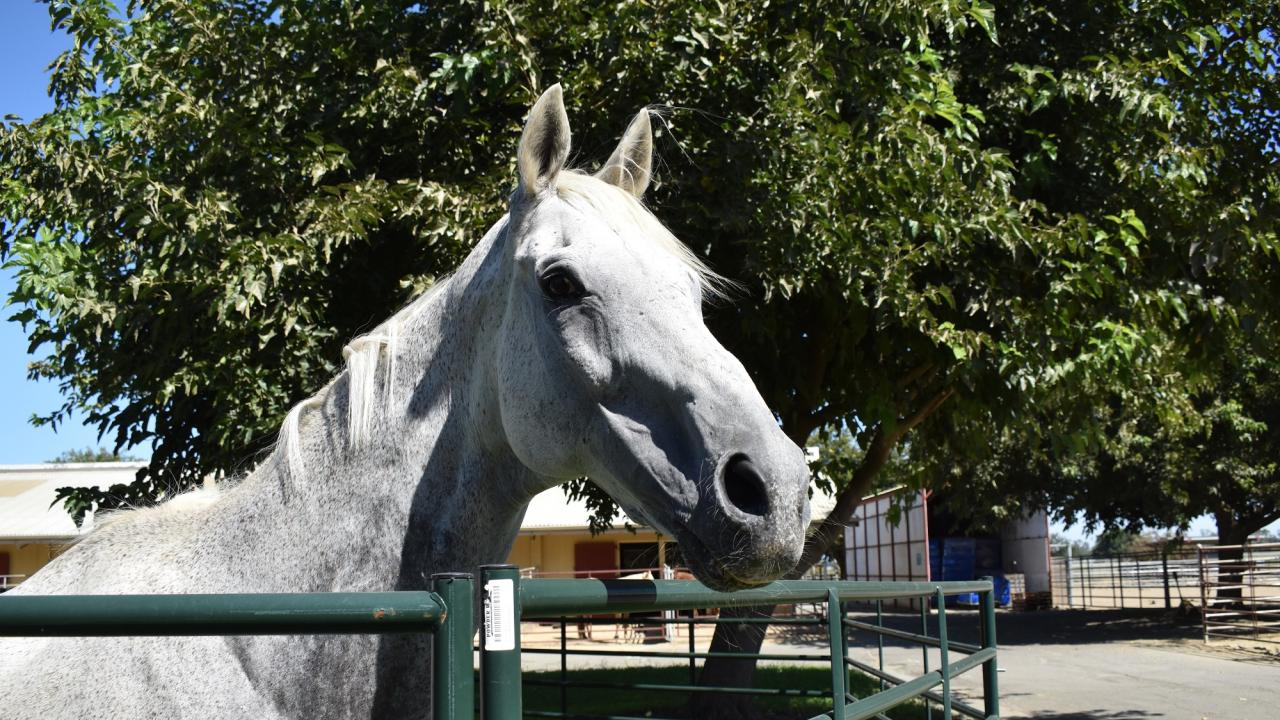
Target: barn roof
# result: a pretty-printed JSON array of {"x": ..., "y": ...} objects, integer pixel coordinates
[
  {"x": 553, "y": 511},
  {"x": 27, "y": 493}
]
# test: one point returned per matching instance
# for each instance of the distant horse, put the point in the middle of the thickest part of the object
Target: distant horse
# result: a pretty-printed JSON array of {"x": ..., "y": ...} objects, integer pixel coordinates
[{"x": 569, "y": 343}]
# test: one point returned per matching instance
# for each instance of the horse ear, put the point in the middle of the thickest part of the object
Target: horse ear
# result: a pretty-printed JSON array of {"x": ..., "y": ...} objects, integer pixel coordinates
[
  {"x": 631, "y": 162},
  {"x": 544, "y": 145}
]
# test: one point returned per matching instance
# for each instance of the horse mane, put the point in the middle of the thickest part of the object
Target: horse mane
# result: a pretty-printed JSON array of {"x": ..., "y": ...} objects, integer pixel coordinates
[
  {"x": 363, "y": 355},
  {"x": 621, "y": 211}
]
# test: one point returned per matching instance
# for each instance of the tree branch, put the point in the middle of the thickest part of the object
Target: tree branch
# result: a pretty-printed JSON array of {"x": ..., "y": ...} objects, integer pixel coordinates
[
  {"x": 914, "y": 374},
  {"x": 829, "y": 413},
  {"x": 923, "y": 413},
  {"x": 873, "y": 461}
]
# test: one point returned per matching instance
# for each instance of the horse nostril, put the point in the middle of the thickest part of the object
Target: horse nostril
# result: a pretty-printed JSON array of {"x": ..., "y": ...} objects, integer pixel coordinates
[{"x": 744, "y": 487}]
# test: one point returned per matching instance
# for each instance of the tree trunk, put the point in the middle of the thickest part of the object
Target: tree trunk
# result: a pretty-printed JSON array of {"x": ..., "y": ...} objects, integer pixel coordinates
[
  {"x": 747, "y": 639},
  {"x": 731, "y": 672},
  {"x": 1231, "y": 566}
]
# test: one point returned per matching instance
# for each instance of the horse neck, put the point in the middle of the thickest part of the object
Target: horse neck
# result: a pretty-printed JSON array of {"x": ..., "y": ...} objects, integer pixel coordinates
[{"x": 435, "y": 487}]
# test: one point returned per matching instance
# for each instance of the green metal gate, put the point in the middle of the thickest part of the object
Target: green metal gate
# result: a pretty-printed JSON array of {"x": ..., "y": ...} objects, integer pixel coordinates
[
  {"x": 447, "y": 612},
  {"x": 508, "y": 598}
]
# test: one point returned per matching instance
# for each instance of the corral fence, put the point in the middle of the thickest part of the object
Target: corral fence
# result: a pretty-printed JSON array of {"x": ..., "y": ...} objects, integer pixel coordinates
[
  {"x": 1136, "y": 580},
  {"x": 566, "y": 602},
  {"x": 1240, "y": 591},
  {"x": 447, "y": 612},
  {"x": 659, "y": 626}
]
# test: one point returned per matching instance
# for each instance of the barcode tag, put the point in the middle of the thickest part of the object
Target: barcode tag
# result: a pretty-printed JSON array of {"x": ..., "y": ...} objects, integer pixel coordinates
[{"x": 499, "y": 615}]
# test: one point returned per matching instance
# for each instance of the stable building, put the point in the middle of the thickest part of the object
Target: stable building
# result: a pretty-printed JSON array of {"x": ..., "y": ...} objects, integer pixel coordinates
[
  {"x": 555, "y": 541},
  {"x": 555, "y": 537},
  {"x": 35, "y": 530},
  {"x": 902, "y": 534}
]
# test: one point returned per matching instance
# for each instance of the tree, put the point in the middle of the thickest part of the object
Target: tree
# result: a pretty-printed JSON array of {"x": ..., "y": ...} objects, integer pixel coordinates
[
  {"x": 256, "y": 182},
  {"x": 90, "y": 455},
  {"x": 1116, "y": 541},
  {"x": 931, "y": 221},
  {"x": 1106, "y": 109},
  {"x": 1216, "y": 456},
  {"x": 1059, "y": 543}
]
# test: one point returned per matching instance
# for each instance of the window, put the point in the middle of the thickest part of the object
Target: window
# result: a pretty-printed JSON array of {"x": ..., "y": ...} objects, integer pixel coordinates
[{"x": 638, "y": 556}]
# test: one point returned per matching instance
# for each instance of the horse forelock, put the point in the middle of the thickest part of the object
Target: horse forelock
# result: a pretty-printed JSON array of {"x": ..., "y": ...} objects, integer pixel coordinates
[{"x": 627, "y": 215}]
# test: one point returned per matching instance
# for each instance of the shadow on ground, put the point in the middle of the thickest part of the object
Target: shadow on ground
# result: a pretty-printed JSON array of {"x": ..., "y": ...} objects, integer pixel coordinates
[{"x": 1091, "y": 715}]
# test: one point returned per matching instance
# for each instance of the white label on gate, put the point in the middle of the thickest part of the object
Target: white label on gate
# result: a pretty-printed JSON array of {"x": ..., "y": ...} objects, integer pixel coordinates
[{"x": 499, "y": 615}]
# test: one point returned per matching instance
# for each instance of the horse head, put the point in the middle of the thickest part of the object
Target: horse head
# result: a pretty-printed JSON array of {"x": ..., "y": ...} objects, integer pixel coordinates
[{"x": 606, "y": 368}]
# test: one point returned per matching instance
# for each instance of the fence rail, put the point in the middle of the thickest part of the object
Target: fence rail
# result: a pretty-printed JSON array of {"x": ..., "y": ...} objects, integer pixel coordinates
[
  {"x": 447, "y": 613},
  {"x": 239, "y": 614}
]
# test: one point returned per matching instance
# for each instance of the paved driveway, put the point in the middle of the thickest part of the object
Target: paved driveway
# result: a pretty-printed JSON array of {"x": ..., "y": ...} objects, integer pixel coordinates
[
  {"x": 1110, "y": 665},
  {"x": 1059, "y": 665}
]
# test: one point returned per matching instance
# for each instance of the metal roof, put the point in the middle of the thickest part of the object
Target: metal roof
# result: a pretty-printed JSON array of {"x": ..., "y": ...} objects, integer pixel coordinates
[
  {"x": 553, "y": 511},
  {"x": 27, "y": 493}
]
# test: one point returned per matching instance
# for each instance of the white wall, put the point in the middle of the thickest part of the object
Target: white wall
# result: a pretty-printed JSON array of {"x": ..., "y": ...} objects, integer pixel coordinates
[{"x": 1025, "y": 549}]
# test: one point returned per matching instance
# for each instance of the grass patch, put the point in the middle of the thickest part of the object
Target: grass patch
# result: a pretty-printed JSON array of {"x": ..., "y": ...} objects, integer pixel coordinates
[{"x": 671, "y": 703}]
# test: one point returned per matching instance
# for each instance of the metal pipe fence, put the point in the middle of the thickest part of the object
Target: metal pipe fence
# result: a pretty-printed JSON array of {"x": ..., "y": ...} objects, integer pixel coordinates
[
  {"x": 447, "y": 613},
  {"x": 509, "y": 598},
  {"x": 1240, "y": 591},
  {"x": 1128, "y": 580}
]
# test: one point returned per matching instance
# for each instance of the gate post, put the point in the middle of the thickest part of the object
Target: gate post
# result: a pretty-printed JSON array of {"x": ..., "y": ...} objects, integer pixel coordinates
[
  {"x": 944, "y": 654},
  {"x": 990, "y": 685},
  {"x": 453, "y": 679},
  {"x": 500, "y": 691},
  {"x": 1204, "y": 592},
  {"x": 1070, "y": 594},
  {"x": 1164, "y": 571},
  {"x": 835, "y": 638}
]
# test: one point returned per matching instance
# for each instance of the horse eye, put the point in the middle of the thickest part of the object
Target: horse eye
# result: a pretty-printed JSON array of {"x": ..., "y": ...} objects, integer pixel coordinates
[{"x": 560, "y": 286}]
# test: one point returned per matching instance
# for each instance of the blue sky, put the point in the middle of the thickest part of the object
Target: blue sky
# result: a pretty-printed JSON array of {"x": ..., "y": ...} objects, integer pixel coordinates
[{"x": 27, "y": 46}]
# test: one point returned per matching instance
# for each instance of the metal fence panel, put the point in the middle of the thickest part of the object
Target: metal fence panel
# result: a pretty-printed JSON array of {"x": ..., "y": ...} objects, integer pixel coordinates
[
  {"x": 549, "y": 600},
  {"x": 1240, "y": 592},
  {"x": 230, "y": 614},
  {"x": 447, "y": 612},
  {"x": 1128, "y": 580},
  {"x": 269, "y": 614}
]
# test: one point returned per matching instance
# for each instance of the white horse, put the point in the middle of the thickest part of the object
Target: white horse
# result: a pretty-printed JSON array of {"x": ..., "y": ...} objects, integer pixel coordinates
[{"x": 569, "y": 343}]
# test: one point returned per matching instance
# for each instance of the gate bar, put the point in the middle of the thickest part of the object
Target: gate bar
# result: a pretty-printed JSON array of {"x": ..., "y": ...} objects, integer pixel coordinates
[
  {"x": 500, "y": 690},
  {"x": 990, "y": 671},
  {"x": 453, "y": 677},
  {"x": 227, "y": 614},
  {"x": 835, "y": 633},
  {"x": 944, "y": 666}
]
